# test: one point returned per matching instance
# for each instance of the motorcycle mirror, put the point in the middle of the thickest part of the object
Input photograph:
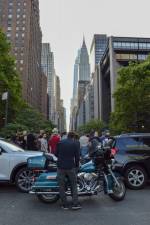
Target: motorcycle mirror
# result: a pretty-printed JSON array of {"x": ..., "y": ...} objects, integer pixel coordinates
[{"x": 1, "y": 150}]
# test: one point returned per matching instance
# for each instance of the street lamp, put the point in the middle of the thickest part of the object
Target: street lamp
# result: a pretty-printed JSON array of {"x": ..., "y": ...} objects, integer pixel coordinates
[{"x": 5, "y": 98}]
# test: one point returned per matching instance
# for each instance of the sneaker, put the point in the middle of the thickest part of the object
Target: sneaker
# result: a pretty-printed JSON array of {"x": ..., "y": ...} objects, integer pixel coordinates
[
  {"x": 76, "y": 206},
  {"x": 65, "y": 207}
]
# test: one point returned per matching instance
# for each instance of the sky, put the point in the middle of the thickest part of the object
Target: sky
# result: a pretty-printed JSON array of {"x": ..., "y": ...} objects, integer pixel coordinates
[{"x": 64, "y": 22}]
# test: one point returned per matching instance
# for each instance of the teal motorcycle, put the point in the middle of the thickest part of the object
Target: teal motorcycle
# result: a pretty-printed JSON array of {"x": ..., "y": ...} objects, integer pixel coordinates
[{"x": 93, "y": 177}]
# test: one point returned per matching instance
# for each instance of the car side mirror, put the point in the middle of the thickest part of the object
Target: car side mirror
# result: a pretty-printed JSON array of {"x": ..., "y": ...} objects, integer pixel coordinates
[{"x": 0, "y": 151}]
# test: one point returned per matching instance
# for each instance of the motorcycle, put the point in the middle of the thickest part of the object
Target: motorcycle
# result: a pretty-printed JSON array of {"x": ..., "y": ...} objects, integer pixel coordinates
[{"x": 93, "y": 177}]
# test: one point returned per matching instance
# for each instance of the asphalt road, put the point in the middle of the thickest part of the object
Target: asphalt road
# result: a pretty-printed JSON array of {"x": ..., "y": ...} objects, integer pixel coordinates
[{"x": 24, "y": 209}]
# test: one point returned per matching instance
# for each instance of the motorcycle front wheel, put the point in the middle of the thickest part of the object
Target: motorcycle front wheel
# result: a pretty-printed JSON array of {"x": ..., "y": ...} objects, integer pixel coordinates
[
  {"x": 48, "y": 198},
  {"x": 119, "y": 192}
]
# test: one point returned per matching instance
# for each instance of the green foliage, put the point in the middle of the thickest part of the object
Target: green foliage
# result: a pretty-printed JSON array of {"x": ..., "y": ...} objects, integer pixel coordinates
[
  {"x": 33, "y": 120},
  {"x": 11, "y": 129},
  {"x": 132, "y": 99},
  {"x": 9, "y": 80},
  {"x": 92, "y": 125},
  {"x": 27, "y": 119}
]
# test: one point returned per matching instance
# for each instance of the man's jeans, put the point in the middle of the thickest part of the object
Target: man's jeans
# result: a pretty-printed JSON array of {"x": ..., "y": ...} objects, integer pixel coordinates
[{"x": 61, "y": 176}]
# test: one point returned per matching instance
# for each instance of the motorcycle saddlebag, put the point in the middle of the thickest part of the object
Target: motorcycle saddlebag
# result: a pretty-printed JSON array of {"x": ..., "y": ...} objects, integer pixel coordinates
[{"x": 36, "y": 162}]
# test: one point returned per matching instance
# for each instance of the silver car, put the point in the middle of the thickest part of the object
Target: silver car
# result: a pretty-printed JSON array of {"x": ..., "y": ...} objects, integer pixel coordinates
[{"x": 13, "y": 165}]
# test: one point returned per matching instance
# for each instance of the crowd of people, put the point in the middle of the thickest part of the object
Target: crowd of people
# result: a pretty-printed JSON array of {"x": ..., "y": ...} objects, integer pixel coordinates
[{"x": 47, "y": 142}]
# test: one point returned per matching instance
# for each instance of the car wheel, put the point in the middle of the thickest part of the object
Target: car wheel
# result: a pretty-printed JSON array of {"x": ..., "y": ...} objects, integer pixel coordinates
[
  {"x": 23, "y": 179},
  {"x": 135, "y": 177}
]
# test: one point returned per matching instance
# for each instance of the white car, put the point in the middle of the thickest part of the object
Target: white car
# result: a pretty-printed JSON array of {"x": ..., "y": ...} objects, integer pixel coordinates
[{"x": 13, "y": 165}]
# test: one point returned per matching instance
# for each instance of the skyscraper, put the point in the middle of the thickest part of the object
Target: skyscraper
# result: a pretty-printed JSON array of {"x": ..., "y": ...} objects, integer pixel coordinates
[
  {"x": 97, "y": 50},
  {"x": 48, "y": 68},
  {"x": 84, "y": 66},
  {"x": 81, "y": 80},
  {"x": 76, "y": 77},
  {"x": 20, "y": 21}
]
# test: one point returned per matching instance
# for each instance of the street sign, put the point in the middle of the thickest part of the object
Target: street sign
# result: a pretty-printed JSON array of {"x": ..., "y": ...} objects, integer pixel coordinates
[{"x": 5, "y": 96}]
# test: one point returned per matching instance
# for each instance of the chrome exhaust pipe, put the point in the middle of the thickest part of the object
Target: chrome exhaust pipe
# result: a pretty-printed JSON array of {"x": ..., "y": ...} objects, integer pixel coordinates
[{"x": 57, "y": 193}]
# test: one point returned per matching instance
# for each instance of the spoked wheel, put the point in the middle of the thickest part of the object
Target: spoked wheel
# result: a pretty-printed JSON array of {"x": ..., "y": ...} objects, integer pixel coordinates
[
  {"x": 48, "y": 198},
  {"x": 135, "y": 177},
  {"x": 118, "y": 191},
  {"x": 24, "y": 180}
]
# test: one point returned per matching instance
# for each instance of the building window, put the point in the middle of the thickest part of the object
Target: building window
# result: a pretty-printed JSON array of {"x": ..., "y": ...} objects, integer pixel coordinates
[
  {"x": 126, "y": 57},
  {"x": 10, "y": 16},
  {"x": 9, "y": 28},
  {"x": 9, "y": 10},
  {"x": 142, "y": 56},
  {"x": 8, "y": 34},
  {"x": 21, "y": 61},
  {"x": 125, "y": 45},
  {"x": 142, "y": 46},
  {"x": 148, "y": 45}
]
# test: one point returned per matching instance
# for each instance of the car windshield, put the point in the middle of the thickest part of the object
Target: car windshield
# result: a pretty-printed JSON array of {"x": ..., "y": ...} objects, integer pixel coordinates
[{"x": 10, "y": 147}]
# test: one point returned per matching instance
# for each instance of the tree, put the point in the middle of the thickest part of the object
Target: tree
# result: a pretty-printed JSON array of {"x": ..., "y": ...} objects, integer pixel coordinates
[
  {"x": 9, "y": 80},
  {"x": 132, "y": 98},
  {"x": 33, "y": 120},
  {"x": 92, "y": 125},
  {"x": 27, "y": 119}
]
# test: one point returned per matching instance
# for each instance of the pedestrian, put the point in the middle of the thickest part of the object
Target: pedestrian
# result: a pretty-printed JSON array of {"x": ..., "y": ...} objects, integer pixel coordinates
[
  {"x": 31, "y": 142},
  {"x": 53, "y": 141},
  {"x": 106, "y": 137},
  {"x": 76, "y": 139},
  {"x": 44, "y": 144},
  {"x": 94, "y": 141},
  {"x": 38, "y": 142},
  {"x": 84, "y": 146},
  {"x": 68, "y": 156},
  {"x": 64, "y": 135}
]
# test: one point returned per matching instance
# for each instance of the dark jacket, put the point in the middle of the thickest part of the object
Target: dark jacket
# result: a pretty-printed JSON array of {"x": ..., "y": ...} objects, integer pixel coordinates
[{"x": 67, "y": 152}]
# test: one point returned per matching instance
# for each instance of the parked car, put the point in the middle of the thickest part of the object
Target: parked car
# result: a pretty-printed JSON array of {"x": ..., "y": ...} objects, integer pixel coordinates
[
  {"x": 132, "y": 154},
  {"x": 13, "y": 165}
]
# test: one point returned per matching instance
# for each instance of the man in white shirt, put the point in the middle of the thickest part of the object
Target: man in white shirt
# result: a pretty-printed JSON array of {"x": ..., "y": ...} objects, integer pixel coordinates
[{"x": 44, "y": 144}]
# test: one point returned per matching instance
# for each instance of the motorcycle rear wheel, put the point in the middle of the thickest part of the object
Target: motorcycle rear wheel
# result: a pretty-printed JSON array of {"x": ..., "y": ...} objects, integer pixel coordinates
[
  {"x": 118, "y": 192},
  {"x": 47, "y": 198}
]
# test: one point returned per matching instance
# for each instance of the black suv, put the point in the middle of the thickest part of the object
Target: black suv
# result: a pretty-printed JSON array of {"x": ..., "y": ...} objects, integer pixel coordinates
[{"x": 132, "y": 154}]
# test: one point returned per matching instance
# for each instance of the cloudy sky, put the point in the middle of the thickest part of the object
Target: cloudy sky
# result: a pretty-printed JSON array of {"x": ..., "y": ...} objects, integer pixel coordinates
[{"x": 64, "y": 22}]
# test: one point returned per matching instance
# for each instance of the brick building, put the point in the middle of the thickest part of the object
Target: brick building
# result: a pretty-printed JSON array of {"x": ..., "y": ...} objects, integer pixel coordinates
[{"x": 19, "y": 19}]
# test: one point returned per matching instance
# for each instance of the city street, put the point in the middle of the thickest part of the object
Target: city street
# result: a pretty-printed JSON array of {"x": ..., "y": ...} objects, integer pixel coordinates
[{"x": 23, "y": 209}]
